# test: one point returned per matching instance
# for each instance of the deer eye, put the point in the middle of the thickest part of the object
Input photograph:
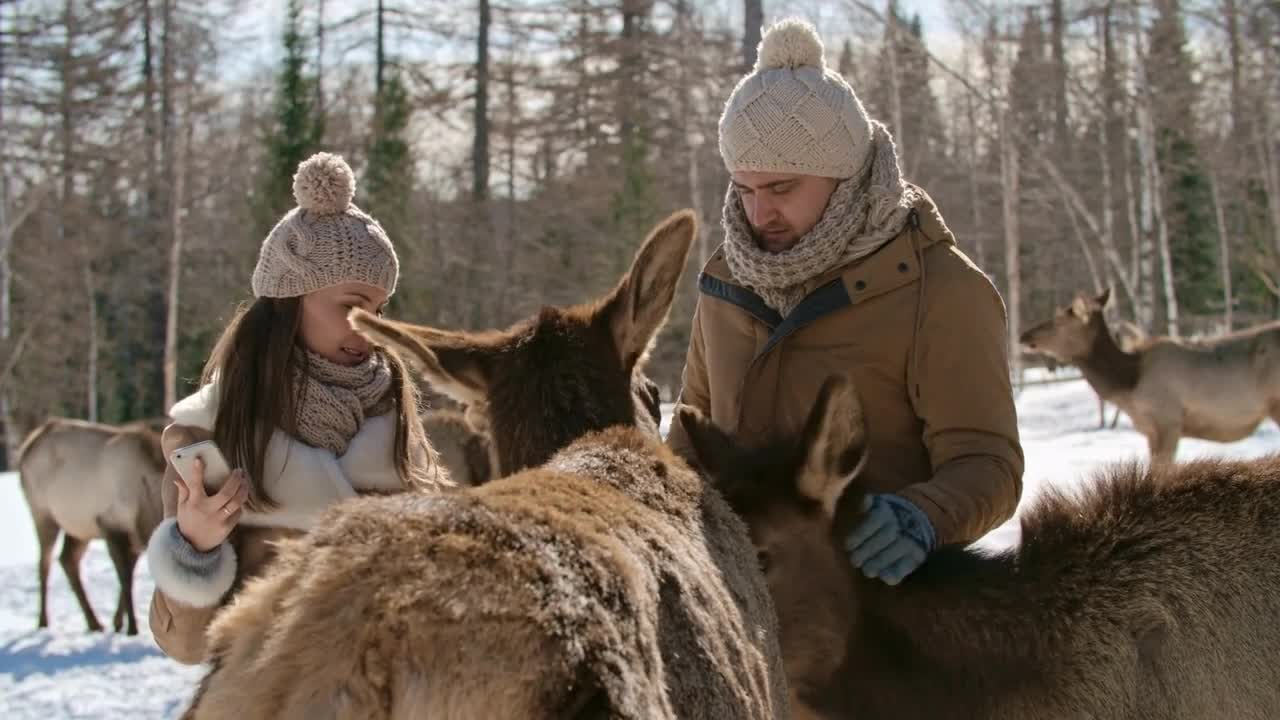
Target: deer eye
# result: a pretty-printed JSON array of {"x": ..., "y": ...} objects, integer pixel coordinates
[{"x": 763, "y": 558}]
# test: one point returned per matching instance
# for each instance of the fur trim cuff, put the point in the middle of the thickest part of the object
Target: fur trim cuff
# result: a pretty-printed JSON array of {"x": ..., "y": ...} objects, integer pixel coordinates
[{"x": 193, "y": 578}]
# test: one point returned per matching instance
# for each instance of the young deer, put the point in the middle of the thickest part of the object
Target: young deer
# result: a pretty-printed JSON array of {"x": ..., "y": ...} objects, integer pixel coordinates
[
  {"x": 1219, "y": 389},
  {"x": 599, "y": 579},
  {"x": 1140, "y": 599}
]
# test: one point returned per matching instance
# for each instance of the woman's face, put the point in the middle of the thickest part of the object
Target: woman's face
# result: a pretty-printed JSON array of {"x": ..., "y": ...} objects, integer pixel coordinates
[{"x": 325, "y": 330}]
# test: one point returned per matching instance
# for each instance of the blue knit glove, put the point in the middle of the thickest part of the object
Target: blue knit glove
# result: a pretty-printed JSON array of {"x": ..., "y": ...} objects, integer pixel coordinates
[{"x": 892, "y": 540}]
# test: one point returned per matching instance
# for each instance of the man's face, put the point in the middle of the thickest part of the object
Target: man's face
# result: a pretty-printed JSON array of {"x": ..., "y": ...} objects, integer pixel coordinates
[{"x": 781, "y": 207}]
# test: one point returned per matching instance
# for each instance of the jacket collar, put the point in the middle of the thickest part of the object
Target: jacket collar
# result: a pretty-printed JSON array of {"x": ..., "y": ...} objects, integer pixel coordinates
[{"x": 893, "y": 266}]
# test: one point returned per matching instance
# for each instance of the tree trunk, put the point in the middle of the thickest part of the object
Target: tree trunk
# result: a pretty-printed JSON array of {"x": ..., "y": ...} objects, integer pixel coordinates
[
  {"x": 1233, "y": 49},
  {"x": 975, "y": 192},
  {"x": 507, "y": 252},
  {"x": 172, "y": 304},
  {"x": 1058, "y": 28},
  {"x": 157, "y": 307},
  {"x": 320, "y": 58},
  {"x": 149, "y": 131},
  {"x": 895, "y": 89},
  {"x": 692, "y": 137},
  {"x": 66, "y": 170},
  {"x": 752, "y": 25},
  {"x": 1154, "y": 220},
  {"x": 1142, "y": 256},
  {"x": 480, "y": 145},
  {"x": 1013, "y": 271},
  {"x": 91, "y": 292},
  {"x": 12, "y": 437},
  {"x": 1224, "y": 251},
  {"x": 1266, "y": 139},
  {"x": 630, "y": 68}
]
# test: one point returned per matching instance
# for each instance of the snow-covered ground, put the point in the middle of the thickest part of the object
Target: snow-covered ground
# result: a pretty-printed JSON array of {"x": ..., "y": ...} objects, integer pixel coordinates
[{"x": 64, "y": 672}]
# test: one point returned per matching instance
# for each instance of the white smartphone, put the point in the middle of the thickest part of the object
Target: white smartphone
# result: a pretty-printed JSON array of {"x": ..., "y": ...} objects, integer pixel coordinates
[{"x": 216, "y": 468}]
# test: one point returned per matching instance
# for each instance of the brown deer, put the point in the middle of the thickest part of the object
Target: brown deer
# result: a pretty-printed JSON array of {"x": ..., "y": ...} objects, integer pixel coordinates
[
  {"x": 1139, "y": 599},
  {"x": 464, "y": 450},
  {"x": 1219, "y": 389},
  {"x": 1129, "y": 337},
  {"x": 600, "y": 579},
  {"x": 461, "y": 437},
  {"x": 87, "y": 481}
]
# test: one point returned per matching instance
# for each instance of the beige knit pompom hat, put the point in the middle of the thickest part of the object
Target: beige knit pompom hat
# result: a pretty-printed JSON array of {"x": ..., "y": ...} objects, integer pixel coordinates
[
  {"x": 326, "y": 240},
  {"x": 792, "y": 114}
]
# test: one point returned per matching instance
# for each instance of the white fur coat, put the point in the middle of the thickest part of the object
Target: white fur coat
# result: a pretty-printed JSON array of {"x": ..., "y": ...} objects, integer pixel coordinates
[{"x": 303, "y": 480}]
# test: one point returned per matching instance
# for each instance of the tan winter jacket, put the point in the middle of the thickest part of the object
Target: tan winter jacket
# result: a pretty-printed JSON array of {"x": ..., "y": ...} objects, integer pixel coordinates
[{"x": 922, "y": 332}]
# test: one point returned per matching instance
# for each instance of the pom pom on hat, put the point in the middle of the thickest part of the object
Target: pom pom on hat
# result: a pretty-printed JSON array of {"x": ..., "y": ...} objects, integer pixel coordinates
[
  {"x": 324, "y": 184},
  {"x": 790, "y": 44}
]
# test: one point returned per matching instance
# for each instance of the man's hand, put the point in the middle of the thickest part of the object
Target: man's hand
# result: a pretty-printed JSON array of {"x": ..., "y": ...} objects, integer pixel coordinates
[{"x": 892, "y": 540}]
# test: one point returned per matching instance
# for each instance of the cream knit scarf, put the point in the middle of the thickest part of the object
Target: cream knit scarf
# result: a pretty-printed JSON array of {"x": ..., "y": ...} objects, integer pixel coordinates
[
  {"x": 334, "y": 400},
  {"x": 864, "y": 212}
]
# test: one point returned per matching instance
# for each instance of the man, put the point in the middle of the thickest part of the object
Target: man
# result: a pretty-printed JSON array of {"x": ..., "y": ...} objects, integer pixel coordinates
[{"x": 831, "y": 263}]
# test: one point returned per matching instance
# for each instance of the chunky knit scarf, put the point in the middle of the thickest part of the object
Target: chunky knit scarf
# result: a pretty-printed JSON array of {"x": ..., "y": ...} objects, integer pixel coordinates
[
  {"x": 865, "y": 212},
  {"x": 334, "y": 400}
]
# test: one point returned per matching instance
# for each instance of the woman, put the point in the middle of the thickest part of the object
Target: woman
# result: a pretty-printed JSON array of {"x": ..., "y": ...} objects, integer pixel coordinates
[{"x": 301, "y": 405}]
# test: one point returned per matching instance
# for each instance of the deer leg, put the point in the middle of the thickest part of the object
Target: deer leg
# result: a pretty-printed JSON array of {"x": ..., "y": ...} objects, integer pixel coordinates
[
  {"x": 73, "y": 549},
  {"x": 47, "y": 533},
  {"x": 1163, "y": 444},
  {"x": 1115, "y": 418},
  {"x": 124, "y": 558},
  {"x": 1102, "y": 413}
]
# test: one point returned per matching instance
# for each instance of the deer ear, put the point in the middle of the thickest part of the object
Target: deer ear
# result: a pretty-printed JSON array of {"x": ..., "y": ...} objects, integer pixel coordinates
[
  {"x": 640, "y": 304},
  {"x": 835, "y": 442},
  {"x": 712, "y": 448},
  {"x": 452, "y": 363},
  {"x": 1103, "y": 298}
]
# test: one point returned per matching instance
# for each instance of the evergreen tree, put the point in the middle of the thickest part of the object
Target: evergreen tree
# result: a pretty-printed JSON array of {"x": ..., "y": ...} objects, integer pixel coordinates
[
  {"x": 1188, "y": 201},
  {"x": 296, "y": 130},
  {"x": 388, "y": 183},
  {"x": 922, "y": 140},
  {"x": 635, "y": 204},
  {"x": 1028, "y": 99}
]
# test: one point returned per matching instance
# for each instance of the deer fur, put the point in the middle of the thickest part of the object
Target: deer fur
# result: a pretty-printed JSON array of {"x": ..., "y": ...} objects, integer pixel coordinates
[
  {"x": 464, "y": 451},
  {"x": 87, "y": 481},
  {"x": 1153, "y": 594},
  {"x": 1218, "y": 389},
  {"x": 461, "y": 438},
  {"x": 601, "y": 578}
]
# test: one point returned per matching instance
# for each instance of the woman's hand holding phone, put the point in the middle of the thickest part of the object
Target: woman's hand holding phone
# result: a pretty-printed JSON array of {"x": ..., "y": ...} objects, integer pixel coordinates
[{"x": 205, "y": 519}]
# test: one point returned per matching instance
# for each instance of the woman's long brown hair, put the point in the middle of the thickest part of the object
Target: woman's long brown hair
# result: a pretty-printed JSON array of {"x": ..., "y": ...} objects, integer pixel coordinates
[{"x": 253, "y": 363}]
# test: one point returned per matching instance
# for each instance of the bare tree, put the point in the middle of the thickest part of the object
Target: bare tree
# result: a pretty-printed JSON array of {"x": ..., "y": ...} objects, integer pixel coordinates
[{"x": 480, "y": 145}]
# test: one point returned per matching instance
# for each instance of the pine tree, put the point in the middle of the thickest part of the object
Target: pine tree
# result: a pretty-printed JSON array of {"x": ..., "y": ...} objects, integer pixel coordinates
[
  {"x": 918, "y": 131},
  {"x": 1028, "y": 100},
  {"x": 1188, "y": 201},
  {"x": 388, "y": 182},
  {"x": 297, "y": 129},
  {"x": 389, "y": 179}
]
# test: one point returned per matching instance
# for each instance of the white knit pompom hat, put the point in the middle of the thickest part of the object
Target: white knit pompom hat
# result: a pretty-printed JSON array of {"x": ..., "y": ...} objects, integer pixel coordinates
[
  {"x": 326, "y": 240},
  {"x": 792, "y": 114}
]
